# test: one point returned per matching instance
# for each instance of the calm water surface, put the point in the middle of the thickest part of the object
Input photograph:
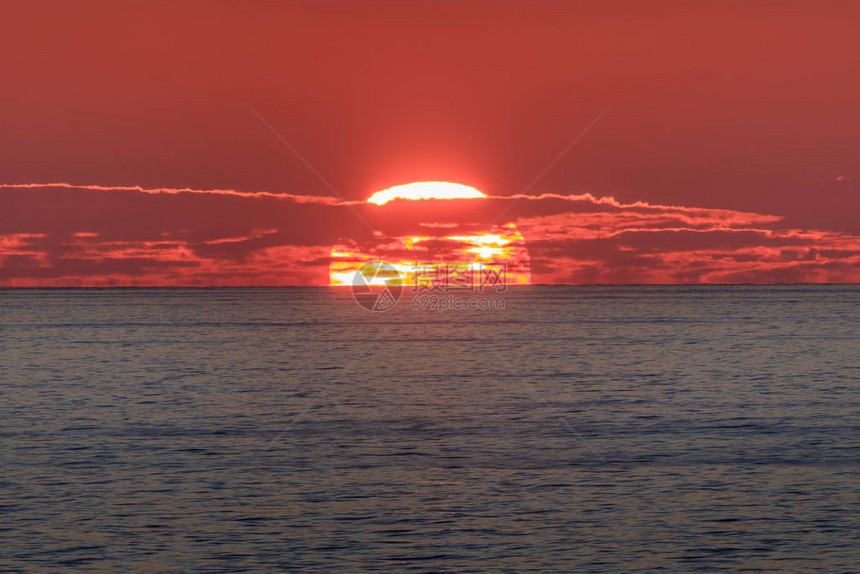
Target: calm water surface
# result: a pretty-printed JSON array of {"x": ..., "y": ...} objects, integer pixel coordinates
[{"x": 580, "y": 429}]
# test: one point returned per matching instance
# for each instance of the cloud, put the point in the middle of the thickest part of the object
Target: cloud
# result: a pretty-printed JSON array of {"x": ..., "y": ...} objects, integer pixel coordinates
[
  {"x": 642, "y": 243},
  {"x": 325, "y": 200},
  {"x": 69, "y": 235}
]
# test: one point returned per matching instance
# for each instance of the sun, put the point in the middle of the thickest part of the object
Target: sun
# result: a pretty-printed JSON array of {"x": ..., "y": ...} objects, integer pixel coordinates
[
  {"x": 471, "y": 251},
  {"x": 425, "y": 190}
]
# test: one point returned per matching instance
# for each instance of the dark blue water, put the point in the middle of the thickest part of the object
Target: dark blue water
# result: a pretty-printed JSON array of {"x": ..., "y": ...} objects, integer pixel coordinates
[{"x": 579, "y": 429}]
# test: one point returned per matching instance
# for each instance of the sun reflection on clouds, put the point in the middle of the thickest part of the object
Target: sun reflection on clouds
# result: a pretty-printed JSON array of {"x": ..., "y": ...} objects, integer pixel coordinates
[{"x": 501, "y": 246}]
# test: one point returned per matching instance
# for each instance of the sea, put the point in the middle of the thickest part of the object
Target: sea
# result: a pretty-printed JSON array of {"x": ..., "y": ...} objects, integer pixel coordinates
[{"x": 571, "y": 429}]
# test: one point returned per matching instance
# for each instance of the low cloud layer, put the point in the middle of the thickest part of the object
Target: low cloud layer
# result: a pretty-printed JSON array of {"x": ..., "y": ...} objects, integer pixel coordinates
[{"x": 68, "y": 235}]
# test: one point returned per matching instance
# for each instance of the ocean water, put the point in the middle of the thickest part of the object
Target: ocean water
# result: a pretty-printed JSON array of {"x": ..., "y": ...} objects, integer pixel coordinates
[{"x": 580, "y": 429}]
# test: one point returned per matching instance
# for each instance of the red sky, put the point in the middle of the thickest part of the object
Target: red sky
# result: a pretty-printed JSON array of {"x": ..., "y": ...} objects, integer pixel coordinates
[{"x": 729, "y": 143}]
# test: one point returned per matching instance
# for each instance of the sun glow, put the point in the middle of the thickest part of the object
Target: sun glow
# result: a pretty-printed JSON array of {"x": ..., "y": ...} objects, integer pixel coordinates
[
  {"x": 485, "y": 252},
  {"x": 425, "y": 190},
  {"x": 471, "y": 255},
  {"x": 486, "y": 239},
  {"x": 503, "y": 249}
]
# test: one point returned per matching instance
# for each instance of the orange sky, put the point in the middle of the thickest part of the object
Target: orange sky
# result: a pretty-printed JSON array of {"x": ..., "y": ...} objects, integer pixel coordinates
[{"x": 729, "y": 142}]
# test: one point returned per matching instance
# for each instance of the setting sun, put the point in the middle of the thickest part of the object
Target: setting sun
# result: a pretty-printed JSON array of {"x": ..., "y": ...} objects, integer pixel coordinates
[
  {"x": 425, "y": 190},
  {"x": 499, "y": 247}
]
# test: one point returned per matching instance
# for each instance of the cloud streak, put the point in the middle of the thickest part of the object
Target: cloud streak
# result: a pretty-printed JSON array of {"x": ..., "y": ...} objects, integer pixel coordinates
[{"x": 184, "y": 190}]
